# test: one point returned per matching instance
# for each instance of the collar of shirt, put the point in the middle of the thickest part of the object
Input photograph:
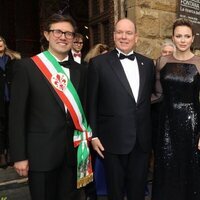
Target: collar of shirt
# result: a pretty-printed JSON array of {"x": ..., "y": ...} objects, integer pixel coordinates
[
  {"x": 77, "y": 58},
  {"x": 66, "y": 70},
  {"x": 131, "y": 52},
  {"x": 65, "y": 59},
  {"x": 74, "y": 52}
]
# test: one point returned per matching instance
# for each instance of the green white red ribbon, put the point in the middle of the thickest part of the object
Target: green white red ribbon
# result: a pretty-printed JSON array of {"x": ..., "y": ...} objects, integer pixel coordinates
[{"x": 54, "y": 73}]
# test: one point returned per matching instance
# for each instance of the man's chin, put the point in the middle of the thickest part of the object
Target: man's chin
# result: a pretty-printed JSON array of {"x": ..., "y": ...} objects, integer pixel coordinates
[{"x": 64, "y": 51}]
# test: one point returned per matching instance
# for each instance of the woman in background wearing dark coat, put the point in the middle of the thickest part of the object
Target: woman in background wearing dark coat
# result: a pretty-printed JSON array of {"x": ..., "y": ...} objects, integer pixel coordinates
[{"x": 6, "y": 59}]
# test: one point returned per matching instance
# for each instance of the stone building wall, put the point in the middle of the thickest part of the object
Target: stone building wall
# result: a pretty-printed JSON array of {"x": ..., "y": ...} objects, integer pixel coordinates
[{"x": 154, "y": 19}]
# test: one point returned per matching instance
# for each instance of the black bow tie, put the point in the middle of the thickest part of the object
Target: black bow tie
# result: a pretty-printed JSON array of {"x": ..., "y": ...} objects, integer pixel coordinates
[
  {"x": 65, "y": 64},
  {"x": 130, "y": 57}
]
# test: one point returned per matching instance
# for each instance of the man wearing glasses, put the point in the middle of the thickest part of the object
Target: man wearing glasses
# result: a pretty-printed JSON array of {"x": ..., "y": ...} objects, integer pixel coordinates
[
  {"x": 77, "y": 46},
  {"x": 44, "y": 92}
]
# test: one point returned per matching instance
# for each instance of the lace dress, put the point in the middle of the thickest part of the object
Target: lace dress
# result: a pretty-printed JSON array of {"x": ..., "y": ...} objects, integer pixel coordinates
[{"x": 177, "y": 159}]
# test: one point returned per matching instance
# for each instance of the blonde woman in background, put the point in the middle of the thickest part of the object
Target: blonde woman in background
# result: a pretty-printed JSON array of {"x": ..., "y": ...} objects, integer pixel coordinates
[
  {"x": 95, "y": 51},
  {"x": 4, "y": 50}
]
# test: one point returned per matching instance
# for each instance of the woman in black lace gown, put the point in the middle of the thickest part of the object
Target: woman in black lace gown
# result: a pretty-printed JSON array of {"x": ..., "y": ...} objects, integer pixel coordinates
[{"x": 177, "y": 155}]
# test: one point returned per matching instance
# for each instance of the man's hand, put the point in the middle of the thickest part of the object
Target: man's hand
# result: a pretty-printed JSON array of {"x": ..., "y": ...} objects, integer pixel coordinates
[
  {"x": 97, "y": 146},
  {"x": 22, "y": 167},
  {"x": 199, "y": 144}
]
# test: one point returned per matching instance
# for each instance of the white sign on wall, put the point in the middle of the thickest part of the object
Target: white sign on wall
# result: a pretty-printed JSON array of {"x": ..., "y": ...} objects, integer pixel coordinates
[{"x": 190, "y": 9}]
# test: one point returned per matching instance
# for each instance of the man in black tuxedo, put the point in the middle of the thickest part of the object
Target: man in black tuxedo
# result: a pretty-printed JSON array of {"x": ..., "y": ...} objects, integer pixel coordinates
[
  {"x": 118, "y": 102},
  {"x": 41, "y": 128}
]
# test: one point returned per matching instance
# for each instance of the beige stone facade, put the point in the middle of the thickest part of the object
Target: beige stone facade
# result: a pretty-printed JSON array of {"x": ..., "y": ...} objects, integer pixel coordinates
[{"x": 154, "y": 19}]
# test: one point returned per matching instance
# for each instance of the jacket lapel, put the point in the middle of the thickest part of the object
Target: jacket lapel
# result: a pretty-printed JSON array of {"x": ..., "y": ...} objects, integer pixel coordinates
[
  {"x": 119, "y": 71},
  {"x": 74, "y": 74},
  {"x": 54, "y": 94},
  {"x": 142, "y": 73}
]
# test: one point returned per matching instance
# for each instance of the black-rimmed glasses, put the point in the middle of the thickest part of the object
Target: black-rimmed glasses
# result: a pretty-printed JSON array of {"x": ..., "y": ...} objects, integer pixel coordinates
[{"x": 58, "y": 33}]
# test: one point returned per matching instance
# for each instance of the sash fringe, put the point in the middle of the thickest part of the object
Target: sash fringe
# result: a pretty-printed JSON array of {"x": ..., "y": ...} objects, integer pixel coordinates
[{"x": 84, "y": 181}]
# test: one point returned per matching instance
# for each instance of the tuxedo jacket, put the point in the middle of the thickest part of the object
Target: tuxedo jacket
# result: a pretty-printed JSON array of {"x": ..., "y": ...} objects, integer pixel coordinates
[
  {"x": 39, "y": 128},
  {"x": 115, "y": 117}
]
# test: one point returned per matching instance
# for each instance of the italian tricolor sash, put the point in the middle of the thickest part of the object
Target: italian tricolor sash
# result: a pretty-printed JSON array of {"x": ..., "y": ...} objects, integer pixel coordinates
[{"x": 56, "y": 76}]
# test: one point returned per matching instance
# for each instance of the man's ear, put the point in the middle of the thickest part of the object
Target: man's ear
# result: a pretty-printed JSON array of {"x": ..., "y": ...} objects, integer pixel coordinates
[
  {"x": 46, "y": 35},
  {"x": 136, "y": 37}
]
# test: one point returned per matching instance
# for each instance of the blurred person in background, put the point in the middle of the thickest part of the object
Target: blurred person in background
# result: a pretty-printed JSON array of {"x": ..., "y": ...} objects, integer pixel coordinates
[
  {"x": 95, "y": 51},
  {"x": 7, "y": 57},
  {"x": 77, "y": 46},
  {"x": 167, "y": 47}
]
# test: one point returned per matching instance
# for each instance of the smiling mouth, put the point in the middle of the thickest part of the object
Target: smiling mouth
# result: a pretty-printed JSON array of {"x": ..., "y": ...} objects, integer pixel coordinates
[
  {"x": 62, "y": 44},
  {"x": 123, "y": 43}
]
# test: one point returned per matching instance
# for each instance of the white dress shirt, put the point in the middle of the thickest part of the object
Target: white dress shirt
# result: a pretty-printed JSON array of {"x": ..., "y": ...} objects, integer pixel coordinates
[{"x": 132, "y": 73}]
